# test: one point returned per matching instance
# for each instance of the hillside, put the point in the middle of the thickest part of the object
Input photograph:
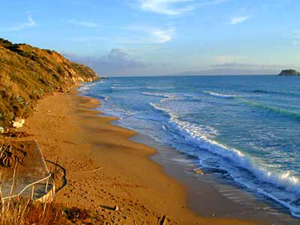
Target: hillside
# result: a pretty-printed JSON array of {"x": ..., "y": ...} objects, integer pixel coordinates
[{"x": 28, "y": 73}]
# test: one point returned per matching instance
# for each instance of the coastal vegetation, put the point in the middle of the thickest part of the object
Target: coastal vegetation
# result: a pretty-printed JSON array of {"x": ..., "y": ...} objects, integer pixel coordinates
[
  {"x": 23, "y": 211},
  {"x": 28, "y": 73}
]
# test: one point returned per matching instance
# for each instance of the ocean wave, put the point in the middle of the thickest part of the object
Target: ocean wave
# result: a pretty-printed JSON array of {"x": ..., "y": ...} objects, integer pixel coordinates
[
  {"x": 103, "y": 97},
  {"x": 219, "y": 95},
  {"x": 157, "y": 107},
  {"x": 124, "y": 88},
  {"x": 195, "y": 130},
  {"x": 116, "y": 112},
  {"x": 280, "y": 111},
  {"x": 199, "y": 137},
  {"x": 265, "y": 92},
  {"x": 166, "y": 97},
  {"x": 157, "y": 94},
  {"x": 83, "y": 88},
  {"x": 260, "y": 91},
  {"x": 158, "y": 88},
  {"x": 172, "y": 97}
]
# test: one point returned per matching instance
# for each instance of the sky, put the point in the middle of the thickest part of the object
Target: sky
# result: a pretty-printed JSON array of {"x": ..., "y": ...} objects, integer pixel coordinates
[{"x": 161, "y": 37}]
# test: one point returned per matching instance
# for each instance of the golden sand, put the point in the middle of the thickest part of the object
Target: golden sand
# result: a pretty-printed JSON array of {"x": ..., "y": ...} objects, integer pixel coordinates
[{"x": 106, "y": 171}]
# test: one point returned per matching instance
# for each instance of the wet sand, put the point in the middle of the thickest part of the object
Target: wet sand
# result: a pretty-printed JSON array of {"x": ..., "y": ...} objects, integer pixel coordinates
[
  {"x": 105, "y": 169},
  {"x": 236, "y": 202}
]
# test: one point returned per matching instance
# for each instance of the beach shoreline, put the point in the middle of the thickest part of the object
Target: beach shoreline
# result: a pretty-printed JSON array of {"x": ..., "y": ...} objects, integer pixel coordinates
[
  {"x": 205, "y": 188},
  {"x": 105, "y": 169}
]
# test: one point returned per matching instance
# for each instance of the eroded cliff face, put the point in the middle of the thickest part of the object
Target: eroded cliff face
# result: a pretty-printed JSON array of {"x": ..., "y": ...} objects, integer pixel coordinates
[{"x": 28, "y": 73}]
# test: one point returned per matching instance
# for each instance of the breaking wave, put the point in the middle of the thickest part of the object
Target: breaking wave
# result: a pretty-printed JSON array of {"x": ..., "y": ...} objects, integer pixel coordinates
[
  {"x": 271, "y": 184},
  {"x": 219, "y": 95}
]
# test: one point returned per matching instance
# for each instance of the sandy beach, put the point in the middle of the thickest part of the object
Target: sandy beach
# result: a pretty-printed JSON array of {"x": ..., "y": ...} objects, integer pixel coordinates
[
  {"x": 163, "y": 112},
  {"x": 105, "y": 169}
]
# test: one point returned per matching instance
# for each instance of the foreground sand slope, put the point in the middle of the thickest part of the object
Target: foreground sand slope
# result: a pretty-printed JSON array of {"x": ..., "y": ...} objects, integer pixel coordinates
[{"x": 105, "y": 169}]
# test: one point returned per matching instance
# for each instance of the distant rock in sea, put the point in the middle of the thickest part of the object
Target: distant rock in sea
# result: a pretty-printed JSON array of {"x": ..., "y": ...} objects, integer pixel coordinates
[{"x": 289, "y": 73}]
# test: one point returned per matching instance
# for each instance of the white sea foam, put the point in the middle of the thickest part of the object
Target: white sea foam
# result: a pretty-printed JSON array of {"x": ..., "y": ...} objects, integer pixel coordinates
[
  {"x": 166, "y": 97},
  {"x": 157, "y": 88},
  {"x": 104, "y": 97},
  {"x": 199, "y": 136},
  {"x": 83, "y": 88},
  {"x": 196, "y": 130},
  {"x": 182, "y": 160},
  {"x": 86, "y": 87},
  {"x": 219, "y": 95},
  {"x": 163, "y": 95},
  {"x": 117, "y": 112}
]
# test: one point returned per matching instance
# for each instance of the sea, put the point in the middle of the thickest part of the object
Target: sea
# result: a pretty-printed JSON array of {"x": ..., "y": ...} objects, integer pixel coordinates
[{"x": 246, "y": 128}]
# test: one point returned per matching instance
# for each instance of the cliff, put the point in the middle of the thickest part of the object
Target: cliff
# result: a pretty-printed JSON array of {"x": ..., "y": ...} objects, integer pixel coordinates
[
  {"x": 289, "y": 73},
  {"x": 28, "y": 73}
]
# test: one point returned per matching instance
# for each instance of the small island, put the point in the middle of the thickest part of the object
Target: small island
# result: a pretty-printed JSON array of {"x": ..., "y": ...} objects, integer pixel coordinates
[{"x": 289, "y": 72}]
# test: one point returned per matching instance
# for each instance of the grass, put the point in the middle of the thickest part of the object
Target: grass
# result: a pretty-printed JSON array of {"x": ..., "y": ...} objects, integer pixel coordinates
[
  {"x": 22, "y": 211},
  {"x": 28, "y": 73},
  {"x": 25, "y": 211}
]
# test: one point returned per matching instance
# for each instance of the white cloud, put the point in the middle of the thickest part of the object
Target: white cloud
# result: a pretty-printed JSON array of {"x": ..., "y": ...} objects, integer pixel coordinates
[
  {"x": 162, "y": 36},
  {"x": 30, "y": 23},
  {"x": 148, "y": 35},
  {"x": 168, "y": 7},
  {"x": 84, "y": 23},
  {"x": 241, "y": 19},
  {"x": 175, "y": 7},
  {"x": 116, "y": 62},
  {"x": 139, "y": 35}
]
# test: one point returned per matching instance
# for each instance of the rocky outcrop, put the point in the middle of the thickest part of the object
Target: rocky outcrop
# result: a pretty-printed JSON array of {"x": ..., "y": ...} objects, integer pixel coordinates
[
  {"x": 28, "y": 73},
  {"x": 289, "y": 72}
]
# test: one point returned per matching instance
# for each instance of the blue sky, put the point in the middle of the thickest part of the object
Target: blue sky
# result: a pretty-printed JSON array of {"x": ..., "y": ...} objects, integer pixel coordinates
[{"x": 159, "y": 37}]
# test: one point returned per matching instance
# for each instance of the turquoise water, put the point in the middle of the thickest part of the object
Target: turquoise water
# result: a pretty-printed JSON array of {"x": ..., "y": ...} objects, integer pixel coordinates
[{"x": 246, "y": 128}]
